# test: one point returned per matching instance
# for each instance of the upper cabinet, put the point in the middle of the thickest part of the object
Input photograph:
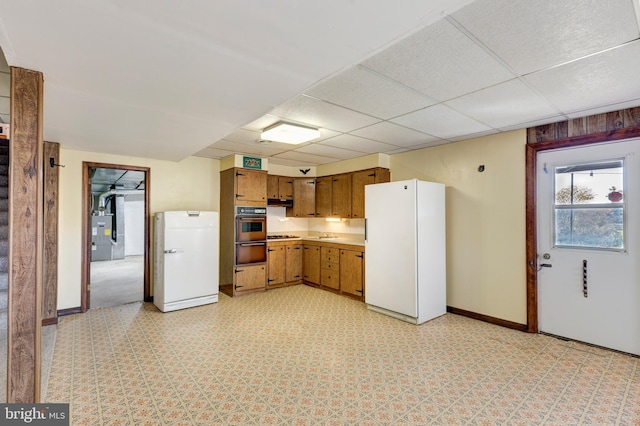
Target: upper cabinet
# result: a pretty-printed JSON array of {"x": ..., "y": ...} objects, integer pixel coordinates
[
  {"x": 251, "y": 187},
  {"x": 243, "y": 187},
  {"x": 279, "y": 187},
  {"x": 304, "y": 197},
  {"x": 323, "y": 196},
  {"x": 358, "y": 181},
  {"x": 341, "y": 195}
]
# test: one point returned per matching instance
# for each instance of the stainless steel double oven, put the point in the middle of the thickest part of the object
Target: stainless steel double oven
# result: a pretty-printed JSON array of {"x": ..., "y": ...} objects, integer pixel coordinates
[{"x": 251, "y": 235}]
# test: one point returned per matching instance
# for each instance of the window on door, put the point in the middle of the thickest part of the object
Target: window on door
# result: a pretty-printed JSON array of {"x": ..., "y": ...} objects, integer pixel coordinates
[{"x": 589, "y": 205}]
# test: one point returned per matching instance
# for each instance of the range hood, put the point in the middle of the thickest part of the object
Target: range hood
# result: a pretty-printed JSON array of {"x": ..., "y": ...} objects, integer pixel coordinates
[{"x": 279, "y": 202}]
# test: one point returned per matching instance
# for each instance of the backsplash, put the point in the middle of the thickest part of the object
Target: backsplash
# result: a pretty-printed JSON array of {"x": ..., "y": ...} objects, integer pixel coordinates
[{"x": 278, "y": 223}]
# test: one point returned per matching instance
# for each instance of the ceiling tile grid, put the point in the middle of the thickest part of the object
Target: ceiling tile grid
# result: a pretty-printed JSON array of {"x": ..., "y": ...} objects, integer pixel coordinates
[
  {"x": 371, "y": 78},
  {"x": 494, "y": 65}
]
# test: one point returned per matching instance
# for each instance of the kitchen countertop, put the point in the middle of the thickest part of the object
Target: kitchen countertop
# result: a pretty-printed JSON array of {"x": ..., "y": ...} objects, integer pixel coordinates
[{"x": 336, "y": 240}]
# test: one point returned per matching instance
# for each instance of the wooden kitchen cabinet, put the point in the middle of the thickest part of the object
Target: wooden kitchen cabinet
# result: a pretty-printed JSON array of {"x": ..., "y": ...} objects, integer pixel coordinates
[
  {"x": 311, "y": 264},
  {"x": 249, "y": 279},
  {"x": 323, "y": 196},
  {"x": 352, "y": 273},
  {"x": 250, "y": 187},
  {"x": 341, "y": 195},
  {"x": 284, "y": 263},
  {"x": 293, "y": 267},
  {"x": 358, "y": 182},
  {"x": 304, "y": 197},
  {"x": 280, "y": 187},
  {"x": 238, "y": 187},
  {"x": 276, "y": 264},
  {"x": 330, "y": 267}
]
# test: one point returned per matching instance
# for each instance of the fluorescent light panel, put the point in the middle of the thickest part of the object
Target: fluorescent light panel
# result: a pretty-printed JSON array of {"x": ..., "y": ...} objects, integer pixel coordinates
[{"x": 289, "y": 133}]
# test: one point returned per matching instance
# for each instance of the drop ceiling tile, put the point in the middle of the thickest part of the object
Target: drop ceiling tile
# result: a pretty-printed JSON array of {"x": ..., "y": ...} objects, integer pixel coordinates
[
  {"x": 363, "y": 90},
  {"x": 439, "y": 61},
  {"x": 394, "y": 134},
  {"x": 252, "y": 148},
  {"x": 261, "y": 123},
  {"x": 315, "y": 112},
  {"x": 598, "y": 80},
  {"x": 550, "y": 32},
  {"x": 399, "y": 150},
  {"x": 308, "y": 158},
  {"x": 604, "y": 108},
  {"x": 328, "y": 151},
  {"x": 286, "y": 162},
  {"x": 356, "y": 143},
  {"x": 504, "y": 104},
  {"x": 213, "y": 153},
  {"x": 473, "y": 135},
  {"x": 243, "y": 136},
  {"x": 441, "y": 121}
]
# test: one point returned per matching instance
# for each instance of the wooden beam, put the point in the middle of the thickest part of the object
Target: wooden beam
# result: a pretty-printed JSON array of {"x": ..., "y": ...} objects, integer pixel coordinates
[
  {"x": 25, "y": 238},
  {"x": 50, "y": 232}
]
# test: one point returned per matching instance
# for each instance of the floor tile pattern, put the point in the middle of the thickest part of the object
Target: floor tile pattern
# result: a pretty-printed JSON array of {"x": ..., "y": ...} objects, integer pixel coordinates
[{"x": 303, "y": 356}]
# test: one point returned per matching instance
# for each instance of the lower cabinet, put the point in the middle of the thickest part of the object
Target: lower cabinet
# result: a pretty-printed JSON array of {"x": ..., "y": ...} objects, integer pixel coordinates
[
  {"x": 335, "y": 268},
  {"x": 352, "y": 272},
  {"x": 311, "y": 264},
  {"x": 293, "y": 264},
  {"x": 249, "y": 278},
  {"x": 284, "y": 263},
  {"x": 330, "y": 265}
]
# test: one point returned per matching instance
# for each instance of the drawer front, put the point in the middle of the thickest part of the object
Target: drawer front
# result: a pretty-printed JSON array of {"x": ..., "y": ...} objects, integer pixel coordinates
[
  {"x": 330, "y": 278},
  {"x": 329, "y": 255}
]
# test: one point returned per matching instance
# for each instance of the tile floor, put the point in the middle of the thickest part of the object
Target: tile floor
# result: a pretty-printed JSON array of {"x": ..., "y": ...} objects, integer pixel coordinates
[{"x": 303, "y": 356}]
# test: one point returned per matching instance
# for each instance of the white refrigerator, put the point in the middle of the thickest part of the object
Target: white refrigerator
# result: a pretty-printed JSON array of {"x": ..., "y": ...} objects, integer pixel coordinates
[
  {"x": 405, "y": 249},
  {"x": 186, "y": 260}
]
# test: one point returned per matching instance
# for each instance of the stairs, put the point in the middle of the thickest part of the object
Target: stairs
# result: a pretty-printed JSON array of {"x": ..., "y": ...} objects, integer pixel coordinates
[{"x": 4, "y": 232}]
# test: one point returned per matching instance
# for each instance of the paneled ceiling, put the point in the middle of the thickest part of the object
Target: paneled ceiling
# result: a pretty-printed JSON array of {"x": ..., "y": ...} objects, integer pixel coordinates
[{"x": 162, "y": 80}]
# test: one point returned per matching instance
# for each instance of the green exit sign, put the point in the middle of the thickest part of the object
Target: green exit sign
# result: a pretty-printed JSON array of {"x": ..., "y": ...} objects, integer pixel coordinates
[{"x": 252, "y": 163}]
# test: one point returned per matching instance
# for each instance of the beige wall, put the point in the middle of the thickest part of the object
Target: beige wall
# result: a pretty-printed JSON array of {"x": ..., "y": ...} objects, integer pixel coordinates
[
  {"x": 191, "y": 184},
  {"x": 485, "y": 214},
  {"x": 485, "y": 219}
]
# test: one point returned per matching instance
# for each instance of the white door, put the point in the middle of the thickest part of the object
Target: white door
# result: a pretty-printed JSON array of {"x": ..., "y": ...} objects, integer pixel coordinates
[{"x": 588, "y": 240}]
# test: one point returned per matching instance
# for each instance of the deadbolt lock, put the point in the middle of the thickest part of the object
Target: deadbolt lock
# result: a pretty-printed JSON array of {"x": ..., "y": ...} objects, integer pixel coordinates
[{"x": 546, "y": 256}]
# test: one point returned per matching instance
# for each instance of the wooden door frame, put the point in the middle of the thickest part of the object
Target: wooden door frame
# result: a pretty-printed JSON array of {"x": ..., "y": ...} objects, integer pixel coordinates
[
  {"x": 532, "y": 150},
  {"x": 86, "y": 228}
]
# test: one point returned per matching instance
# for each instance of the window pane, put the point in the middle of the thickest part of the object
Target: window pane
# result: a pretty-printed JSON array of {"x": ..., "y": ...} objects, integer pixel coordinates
[
  {"x": 595, "y": 183},
  {"x": 590, "y": 227}
]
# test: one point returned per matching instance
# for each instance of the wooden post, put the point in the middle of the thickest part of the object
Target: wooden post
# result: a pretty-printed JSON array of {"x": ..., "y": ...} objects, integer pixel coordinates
[
  {"x": 50, "y": 234},
  {"x": 25, "y": 238}
]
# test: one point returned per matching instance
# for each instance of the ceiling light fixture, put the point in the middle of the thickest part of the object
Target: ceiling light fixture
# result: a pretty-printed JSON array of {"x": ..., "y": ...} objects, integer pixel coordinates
[{"x": 289, "y": 133}]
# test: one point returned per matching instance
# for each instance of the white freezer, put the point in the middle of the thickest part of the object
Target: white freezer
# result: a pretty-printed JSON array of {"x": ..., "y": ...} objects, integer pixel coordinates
[
  {"x": 186, "y": 263},
  {"x": 405, "y": 249}
]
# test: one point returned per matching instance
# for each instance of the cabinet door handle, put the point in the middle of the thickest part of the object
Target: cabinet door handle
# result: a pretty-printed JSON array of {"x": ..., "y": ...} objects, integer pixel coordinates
[
  {"x": 271, "y": 249},
  {"x": 239, "y": 195},
  {"x": 358, "y": 291},
  {"x": 238, "y": 270},
  {"x": 361, "y": 256},
  {"x": 268, "y": 280},
  {"x": 237, "y": 286},
  {"x": 239, "y": 174}
]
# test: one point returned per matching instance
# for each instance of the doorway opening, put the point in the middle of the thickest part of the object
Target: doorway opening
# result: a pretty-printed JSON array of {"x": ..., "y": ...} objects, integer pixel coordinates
[{"x": 116, "y": 243}]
